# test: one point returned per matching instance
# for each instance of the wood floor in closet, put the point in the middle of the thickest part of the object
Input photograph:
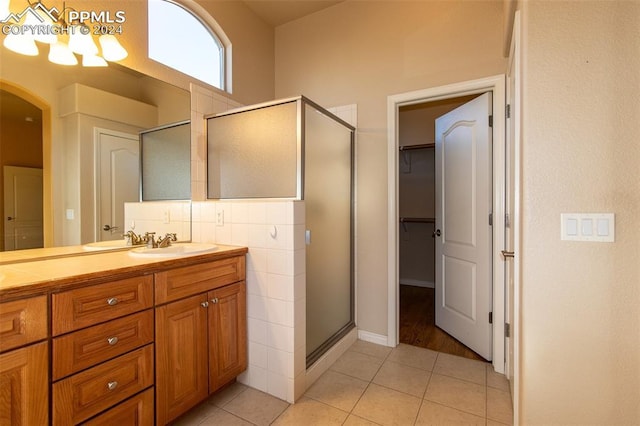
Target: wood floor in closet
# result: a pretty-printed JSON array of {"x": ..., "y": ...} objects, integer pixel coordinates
[{"x": 417, "y": 324}]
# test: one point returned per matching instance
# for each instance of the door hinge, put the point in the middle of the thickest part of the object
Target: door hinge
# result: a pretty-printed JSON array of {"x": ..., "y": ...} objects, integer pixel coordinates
[
  {"x": 490, "y": 317},
  {"x": 507, "y": 111},
  {"x": 491, "y": 121},
  {"x": 507, "y": 221},
  {"x": 507, "y": 329},
  {"x": 490, "y": 219}
]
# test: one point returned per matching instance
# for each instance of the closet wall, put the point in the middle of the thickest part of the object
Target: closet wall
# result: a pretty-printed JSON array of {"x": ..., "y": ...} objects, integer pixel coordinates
[{"x": 416, "y": 180}]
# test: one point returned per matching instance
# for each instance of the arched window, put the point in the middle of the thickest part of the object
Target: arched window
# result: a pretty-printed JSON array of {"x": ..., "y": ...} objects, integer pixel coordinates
[{"x": 180, "y": 39}]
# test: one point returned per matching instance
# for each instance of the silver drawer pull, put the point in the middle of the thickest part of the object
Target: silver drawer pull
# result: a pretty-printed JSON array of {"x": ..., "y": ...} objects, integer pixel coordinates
[
  {"x": 112, "y": 385},
  {"x": 204, "y": 304},
  {"x": 112, "y": 301},
  {"x": 112, "y": 340},
  {"x": 214, "y": 300}
]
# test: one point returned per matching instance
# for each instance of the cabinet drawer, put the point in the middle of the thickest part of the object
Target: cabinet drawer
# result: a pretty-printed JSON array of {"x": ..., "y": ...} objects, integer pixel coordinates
[
  {"x": 134, "y": 411},
  {"x": 22, "y": 321},
  {"x": 86, "y": 394},
  {"x": 82, "y": 349},
  {"x": 182, "y": 282},
  {"x": 87, "y": 306}
]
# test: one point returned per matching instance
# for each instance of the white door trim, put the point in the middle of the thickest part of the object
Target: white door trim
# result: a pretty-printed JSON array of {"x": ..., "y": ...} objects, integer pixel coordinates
[
  {"x": 495, "y": 84},
  {"x": 515, "y": 72}
]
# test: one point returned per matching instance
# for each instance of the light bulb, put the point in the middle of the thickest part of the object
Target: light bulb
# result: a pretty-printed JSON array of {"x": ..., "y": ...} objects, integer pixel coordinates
[
  {"x": 112, "y": 50},
  {"x": 59, "y": 53},
  {"x": 93, "y": 61},
  {"x": 21, "y": 43},
  {"x": 81, "y": 42}
]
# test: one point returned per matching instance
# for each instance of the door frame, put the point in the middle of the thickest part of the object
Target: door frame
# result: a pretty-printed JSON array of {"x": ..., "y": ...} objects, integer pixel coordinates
[{"x": 497, "y": 85}]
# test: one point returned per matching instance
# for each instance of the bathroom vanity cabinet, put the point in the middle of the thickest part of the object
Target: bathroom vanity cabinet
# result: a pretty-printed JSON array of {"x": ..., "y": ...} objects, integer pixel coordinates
[
  {"x": 139, "y": 344},
  {"x": 200, "y": 333},
  {"x": 24, "y": 362},
  {"x": 102, "y": 347}
]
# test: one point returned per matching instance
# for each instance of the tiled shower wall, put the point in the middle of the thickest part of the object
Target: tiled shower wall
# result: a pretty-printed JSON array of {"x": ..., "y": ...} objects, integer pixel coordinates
[{"x": 274, "y": 233}]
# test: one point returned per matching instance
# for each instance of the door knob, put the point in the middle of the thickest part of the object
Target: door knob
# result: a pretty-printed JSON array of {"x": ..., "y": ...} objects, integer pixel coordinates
[
  {"x": 109, "y": 228},
  {"x": 436, "y": 233}
]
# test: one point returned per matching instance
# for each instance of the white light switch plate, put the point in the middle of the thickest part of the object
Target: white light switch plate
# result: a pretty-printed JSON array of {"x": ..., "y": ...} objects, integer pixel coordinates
[{"x": 598, "y": 227}]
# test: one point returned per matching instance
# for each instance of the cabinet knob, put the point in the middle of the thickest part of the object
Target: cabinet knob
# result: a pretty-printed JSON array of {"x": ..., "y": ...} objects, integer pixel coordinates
[
  {"x": 112, "y": 385},
  {"x": 112, "y": 340},
  {"x": 204, "y": 304},
  {"x": 214, "y": 300},
  {"x": 112, "y": 301}
]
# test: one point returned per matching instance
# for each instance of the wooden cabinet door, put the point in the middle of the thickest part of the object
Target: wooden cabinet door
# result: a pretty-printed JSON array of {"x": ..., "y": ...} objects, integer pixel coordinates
[
  {"x": 227, "y": 334},
  {"x": 181, "y": 357},
  {"x": 24, "y": 386}
]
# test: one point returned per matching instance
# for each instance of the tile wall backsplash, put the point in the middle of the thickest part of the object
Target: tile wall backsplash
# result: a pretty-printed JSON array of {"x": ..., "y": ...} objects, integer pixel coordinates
[
  {"x": 161, "y": 217},
  {"x": 274, "y": 233}
]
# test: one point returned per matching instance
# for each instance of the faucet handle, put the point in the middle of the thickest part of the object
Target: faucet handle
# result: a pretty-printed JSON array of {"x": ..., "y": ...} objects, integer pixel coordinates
[{"x": 149, "y": 238}]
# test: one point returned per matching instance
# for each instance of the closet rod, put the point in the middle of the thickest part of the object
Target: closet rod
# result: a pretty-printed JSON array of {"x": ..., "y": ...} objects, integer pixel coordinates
[
  {"x": 422, "y": 146},
  {"x": 417, "y": 220}
]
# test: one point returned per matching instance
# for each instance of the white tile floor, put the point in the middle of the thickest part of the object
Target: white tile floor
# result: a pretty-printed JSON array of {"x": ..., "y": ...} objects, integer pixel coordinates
[{"x": 374, "y": 385}]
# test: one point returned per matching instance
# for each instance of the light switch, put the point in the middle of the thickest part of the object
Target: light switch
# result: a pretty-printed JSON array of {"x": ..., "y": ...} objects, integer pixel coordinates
[
  {"x": 587, "y": 227},
  {"x": 603, "y": 227}
]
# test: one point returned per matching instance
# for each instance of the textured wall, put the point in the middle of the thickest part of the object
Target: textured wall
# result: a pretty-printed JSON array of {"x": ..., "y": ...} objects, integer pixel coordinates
[{"x": 580, "y": 348}]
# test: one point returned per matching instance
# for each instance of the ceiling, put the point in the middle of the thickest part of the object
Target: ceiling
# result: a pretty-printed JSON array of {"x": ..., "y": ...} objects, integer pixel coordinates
[{"x": 278, "y": 12}]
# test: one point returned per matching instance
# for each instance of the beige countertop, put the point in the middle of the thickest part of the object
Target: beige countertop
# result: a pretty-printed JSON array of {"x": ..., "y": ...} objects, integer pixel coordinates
[{"x": 41, "y": 275}]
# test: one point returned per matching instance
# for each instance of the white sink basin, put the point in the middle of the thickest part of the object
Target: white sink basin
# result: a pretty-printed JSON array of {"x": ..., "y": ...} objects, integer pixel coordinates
[
  {"x": 174, "y": 250},
  {"x": 105, "y": 245}
]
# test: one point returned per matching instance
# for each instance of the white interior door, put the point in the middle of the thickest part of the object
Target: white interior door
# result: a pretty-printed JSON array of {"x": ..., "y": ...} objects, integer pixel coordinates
[
  {"x": 22, "y": 208},
  {"x": 117, "y": 181},
  {"x": 463, "y": 231}
]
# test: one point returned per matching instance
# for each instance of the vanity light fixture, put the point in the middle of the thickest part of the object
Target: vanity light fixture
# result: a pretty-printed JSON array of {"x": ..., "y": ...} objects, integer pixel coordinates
[
  {"x": 59, "y": 53},
  {"x": 112, "y": 50},
  {"x": 65, "y": 40}
]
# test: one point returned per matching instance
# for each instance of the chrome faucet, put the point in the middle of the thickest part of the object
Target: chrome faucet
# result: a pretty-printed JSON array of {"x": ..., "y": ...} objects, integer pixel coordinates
[{"x": 166, "y": 240}]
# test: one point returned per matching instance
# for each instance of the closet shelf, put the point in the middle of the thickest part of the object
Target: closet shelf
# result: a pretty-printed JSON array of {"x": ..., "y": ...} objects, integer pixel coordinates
[
  {"x": 421, "y": 146},
  {"x": 417, "y": 220}
]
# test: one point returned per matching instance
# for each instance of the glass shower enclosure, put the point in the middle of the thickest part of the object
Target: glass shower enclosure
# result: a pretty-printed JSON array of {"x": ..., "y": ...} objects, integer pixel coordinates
[{"x": 295, "y": 149}]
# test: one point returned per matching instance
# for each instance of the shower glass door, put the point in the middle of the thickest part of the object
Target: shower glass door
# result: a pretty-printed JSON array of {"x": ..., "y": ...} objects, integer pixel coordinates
[{"x": 328, "y": 193}]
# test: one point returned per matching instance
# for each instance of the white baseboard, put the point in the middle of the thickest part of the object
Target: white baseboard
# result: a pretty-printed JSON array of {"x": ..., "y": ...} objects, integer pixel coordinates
[
  {"x": 417, "y": 283},
  {"x": 367, "y": 336}
]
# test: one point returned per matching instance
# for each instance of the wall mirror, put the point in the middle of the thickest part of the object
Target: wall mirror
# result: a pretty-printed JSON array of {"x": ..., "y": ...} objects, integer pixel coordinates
[{"x": 70, "y": 138}]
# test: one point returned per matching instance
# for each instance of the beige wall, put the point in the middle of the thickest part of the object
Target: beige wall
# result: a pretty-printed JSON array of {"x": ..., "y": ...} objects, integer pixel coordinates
[
  {"x": 580, "y": 315},
  {"x": 361, "y": 52}
]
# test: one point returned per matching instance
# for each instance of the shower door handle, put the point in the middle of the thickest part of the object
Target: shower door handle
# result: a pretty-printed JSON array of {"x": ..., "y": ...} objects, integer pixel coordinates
[{"x": 307, "y": 237}]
